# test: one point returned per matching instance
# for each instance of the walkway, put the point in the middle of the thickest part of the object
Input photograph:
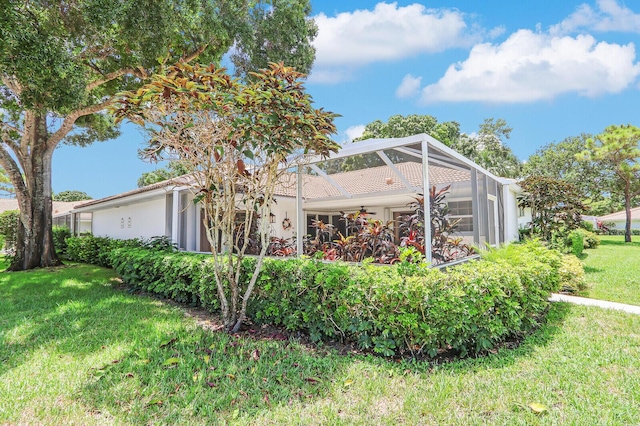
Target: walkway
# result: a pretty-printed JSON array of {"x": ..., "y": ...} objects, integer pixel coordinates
[{"x": 594, "y": 302}]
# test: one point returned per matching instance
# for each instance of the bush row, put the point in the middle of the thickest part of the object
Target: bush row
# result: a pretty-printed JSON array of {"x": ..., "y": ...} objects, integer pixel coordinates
[
  {"x": 621, "y": 232},
  {"x": 396, "y": 309}
]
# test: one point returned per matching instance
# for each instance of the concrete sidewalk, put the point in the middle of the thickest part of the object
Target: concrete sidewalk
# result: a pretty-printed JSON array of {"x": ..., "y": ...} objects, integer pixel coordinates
[{"x": 594, "y": 302}]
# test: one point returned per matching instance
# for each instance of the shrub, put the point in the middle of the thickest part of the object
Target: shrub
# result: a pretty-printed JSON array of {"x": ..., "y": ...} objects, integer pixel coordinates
[
  {"x": 577, "y": 242},
  {"x": 572, "y": 276},
  {"x": 590, "y": 239},
  {"x": 621, "y": 232},
  {"x": 406, "y": 308},
  {"x": 96, "y": 250},
  {"x": 9, "y": 227},
  {"x": 60, "y": 235},
  {"x": 587, "y": 225}
]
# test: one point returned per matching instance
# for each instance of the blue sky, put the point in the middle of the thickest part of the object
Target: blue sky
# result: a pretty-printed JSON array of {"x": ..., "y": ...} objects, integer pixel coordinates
[{"x": 551, "y": 69}]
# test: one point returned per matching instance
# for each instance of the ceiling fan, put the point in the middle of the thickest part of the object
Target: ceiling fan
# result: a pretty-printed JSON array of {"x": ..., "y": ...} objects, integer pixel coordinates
[{"x": 364, "y": 211}]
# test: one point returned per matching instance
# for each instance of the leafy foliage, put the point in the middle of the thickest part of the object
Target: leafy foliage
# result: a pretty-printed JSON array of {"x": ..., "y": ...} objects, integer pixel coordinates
[
  {"x": 267, "y": 42},
  {"x": 559, "y": 161},
  {"x": 173, "y": 170},
  {"x": 237, "y": 141},
  {"x": 489, "y": 149},
  {"x": 366, "y": 238},
  {"x": 398, "y": 126},
  {"x": 572, "y": 276},
  {"x": 556, "y": 206},
  {"x": 445, "y": 245},
  {"x": 71, "y": 196},
  {"x": 9, "y": 227},
  {"x": 391, "y": 310},
  {"x": 619, "y": 148},
  {"x": 60, "y": 235},
  {"x": 62, "y": 63}
]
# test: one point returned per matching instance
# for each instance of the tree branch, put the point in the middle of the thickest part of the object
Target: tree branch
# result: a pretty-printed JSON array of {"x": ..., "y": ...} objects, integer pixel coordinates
[
  {"x": 193, "y": 55},
  {"x": 13, "y": 84},
  {"x": 70, "y": 119},
  {"x": 113, "y": 75},
  {"x": 10, "y": 127},
  {"x": 7, "y": 140},
  {"x": 12, "y": 169}
]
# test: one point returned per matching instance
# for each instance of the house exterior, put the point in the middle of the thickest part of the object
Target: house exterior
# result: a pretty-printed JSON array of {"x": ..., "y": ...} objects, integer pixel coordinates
[
  {"x": 619, "y": 219},
  {"x": 61, "y": 211},
  {"x": 381, "y": 176}
]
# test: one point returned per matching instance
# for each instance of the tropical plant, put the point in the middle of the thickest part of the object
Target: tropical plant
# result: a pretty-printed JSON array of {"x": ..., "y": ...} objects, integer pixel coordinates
[
  {"x": 445, "y": 246},
  {"x": 556, "y": 206},
  {"x": 237, "y": 140}
]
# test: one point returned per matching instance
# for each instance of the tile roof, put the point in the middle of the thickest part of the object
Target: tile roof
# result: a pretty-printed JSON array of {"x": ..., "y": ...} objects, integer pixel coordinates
[
  {"x": 380, "y": 179},
  {"x": 622, "y": 215},
  {"x": 372, "y": 180},
  {"x": 179, "y": 181},
  {"x": 59, "y": 207}
]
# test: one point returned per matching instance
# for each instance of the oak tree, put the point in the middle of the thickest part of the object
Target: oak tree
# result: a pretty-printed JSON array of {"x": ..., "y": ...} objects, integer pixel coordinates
[{"x": 62, "y": 62}]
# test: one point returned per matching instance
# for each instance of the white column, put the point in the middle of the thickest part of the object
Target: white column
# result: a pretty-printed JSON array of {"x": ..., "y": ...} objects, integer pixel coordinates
[
  {"x": 427, "y": 207},
  {"x": 175, "y": 217},
  {"x": 300, "y": 219}
]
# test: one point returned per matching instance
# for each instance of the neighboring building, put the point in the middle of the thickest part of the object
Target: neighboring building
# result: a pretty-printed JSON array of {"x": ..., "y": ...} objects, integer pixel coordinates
[
  {"x": 619, "y": 219},
  {"x": 61, "y": 214},
  {"x": 382, "y": 176}
]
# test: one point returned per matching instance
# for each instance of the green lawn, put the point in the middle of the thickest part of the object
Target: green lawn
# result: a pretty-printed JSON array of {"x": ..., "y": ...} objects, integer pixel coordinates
[
  {"x": 613, "y": 270},
  {"x": 75, "y": 350}
]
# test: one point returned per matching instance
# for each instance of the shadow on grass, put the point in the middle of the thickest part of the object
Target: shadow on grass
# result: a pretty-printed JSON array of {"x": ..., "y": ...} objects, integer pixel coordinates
[
  {"x": 591, "y": 269},
  {"x": 220, "y": 376},
  {"x": 70, "y": 308},
  {"x": 171, "y": 371},
  {"x": 619, "y": 241}
]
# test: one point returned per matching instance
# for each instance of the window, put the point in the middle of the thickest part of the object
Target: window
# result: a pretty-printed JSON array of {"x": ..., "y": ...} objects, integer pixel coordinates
[
  {"x": 334, "y": 220},
  {"x": 463, "y": 211}
]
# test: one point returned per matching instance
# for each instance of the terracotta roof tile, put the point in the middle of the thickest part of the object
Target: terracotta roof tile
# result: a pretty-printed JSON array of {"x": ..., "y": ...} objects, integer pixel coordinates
[{"x": 622, "y": 215}]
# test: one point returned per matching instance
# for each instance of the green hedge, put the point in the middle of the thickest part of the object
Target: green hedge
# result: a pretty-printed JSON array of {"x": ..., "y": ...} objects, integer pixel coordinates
[
  {"x": 621, "y": 232},
  {"x": 405, "y": 308},
  {"x": 96, "y": 250}
]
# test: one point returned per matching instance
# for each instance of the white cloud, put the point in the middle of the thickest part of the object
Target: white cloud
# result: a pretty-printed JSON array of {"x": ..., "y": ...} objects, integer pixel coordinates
[
  {"x": 387, "y": 33},
  {"x": 409, "y": 87},
  {"x": 532, "y": 66},
  {"x": 608, "y": 16},
  {"x": 354, "y": 132}
]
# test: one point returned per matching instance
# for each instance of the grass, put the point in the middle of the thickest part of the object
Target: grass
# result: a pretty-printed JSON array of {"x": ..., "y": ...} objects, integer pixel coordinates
[
  {"x": 75, "y": 350},
  {"x": 613, "y": 270}
]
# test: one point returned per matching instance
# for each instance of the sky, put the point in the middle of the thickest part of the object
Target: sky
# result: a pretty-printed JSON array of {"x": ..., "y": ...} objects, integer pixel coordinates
[{"x": 551, "y": 69}]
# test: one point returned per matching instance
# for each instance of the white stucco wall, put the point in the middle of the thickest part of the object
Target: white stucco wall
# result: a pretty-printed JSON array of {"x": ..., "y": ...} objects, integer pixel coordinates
[
  {"x": 621, "y": 224},
  {"x": 144, "y": 219},
  {"x": 511, "y": 220},
  {"x": 284, "y": 207}
]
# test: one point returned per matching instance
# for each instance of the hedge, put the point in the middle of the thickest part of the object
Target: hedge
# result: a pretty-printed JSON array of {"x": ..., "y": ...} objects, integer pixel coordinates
[{"x": 405, "y": 308}]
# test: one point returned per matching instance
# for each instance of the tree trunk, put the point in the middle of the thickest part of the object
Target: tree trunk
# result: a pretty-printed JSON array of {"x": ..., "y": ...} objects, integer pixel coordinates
[{"x": 34, "y": 245}]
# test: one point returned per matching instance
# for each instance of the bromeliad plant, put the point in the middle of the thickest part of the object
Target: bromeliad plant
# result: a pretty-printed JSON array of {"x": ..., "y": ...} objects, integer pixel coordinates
[{"x": 237, "y": 139}]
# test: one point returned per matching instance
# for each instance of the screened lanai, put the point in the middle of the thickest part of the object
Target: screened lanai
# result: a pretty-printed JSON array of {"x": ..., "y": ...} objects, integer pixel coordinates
[{"x": 386, "y": 179}]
